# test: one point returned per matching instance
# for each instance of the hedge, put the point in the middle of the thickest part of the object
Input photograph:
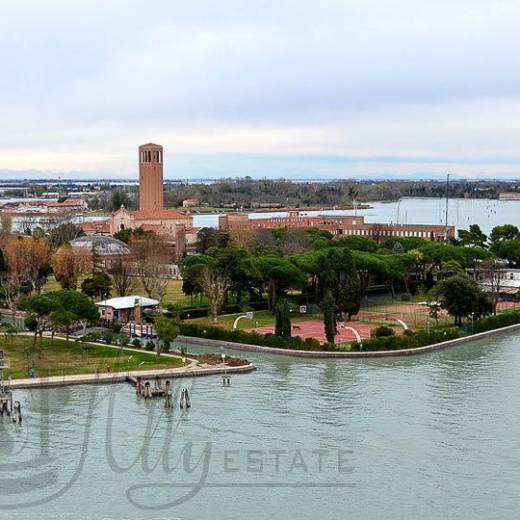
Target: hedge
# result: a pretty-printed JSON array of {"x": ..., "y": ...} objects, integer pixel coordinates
[
  {"x": 497, "y": 321},
  {"x": 408, "y": 340},
  {"x": 252, "y": 338},
  {"x": 203, "y": 312}
]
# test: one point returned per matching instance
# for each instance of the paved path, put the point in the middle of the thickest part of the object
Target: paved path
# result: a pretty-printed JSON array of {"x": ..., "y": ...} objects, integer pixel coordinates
[{"x": 192, "y": 370}]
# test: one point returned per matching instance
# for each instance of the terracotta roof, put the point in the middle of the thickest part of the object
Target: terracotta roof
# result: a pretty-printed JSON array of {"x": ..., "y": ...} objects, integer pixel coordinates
[
  {"x": 66, "y": 202},
  {"x": 150, "y": 145},
  {"x": 97, "y": 226},
  {"x": 163, "y": 214}
]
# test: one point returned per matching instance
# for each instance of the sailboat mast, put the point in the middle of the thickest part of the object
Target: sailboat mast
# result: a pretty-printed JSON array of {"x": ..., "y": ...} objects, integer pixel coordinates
[{"x": 447, "y": 199}]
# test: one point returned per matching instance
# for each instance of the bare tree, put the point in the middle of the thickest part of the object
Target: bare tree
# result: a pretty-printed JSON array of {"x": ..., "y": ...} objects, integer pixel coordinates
[
  {"x": 493, "y": 278},
  {"x": 27, "y": 261},
  {"x": 295, "y": 241},
  {"x": 124, "y": 279},
  {"x": 150, "y": 254},
  {"x": 69, "y": 264},
  {"x": 214, "y": 285},
  {"x": 6, "y": 223}
]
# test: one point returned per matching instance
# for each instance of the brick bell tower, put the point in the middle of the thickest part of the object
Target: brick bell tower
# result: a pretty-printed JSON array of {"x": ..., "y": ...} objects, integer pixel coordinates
[{"x": 150, "y": 177}]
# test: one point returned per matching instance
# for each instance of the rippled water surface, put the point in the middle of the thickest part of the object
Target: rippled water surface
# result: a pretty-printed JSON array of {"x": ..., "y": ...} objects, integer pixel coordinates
[{"x": 436, "y": 436}]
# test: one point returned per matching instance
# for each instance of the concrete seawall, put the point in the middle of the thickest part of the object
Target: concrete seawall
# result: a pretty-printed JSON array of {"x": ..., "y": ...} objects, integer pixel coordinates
[
  {"x": 363, "y": 354},
  {"x": 121, "y": 377}
]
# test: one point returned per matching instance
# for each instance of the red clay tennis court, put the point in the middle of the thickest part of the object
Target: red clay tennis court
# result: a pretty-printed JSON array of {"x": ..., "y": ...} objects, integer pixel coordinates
[{"x": 315, "y": 329}]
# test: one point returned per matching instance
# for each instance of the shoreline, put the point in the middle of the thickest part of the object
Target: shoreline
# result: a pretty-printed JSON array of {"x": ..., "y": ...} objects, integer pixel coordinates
[
  {"x": 362, "y": 354},
  {"x": 121, "y": 377}
]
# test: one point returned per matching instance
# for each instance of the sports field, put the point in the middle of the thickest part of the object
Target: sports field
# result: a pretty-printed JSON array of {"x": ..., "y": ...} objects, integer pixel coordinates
[{"x": 315, "y": 329}]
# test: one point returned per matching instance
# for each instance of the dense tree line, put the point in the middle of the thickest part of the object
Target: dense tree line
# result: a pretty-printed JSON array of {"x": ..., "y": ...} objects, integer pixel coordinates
[
  {"x": 248, "y": 193},
  {"x": 336, "y": 274}
]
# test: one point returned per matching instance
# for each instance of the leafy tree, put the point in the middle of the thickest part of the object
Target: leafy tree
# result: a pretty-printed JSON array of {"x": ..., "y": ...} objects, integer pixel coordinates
[
  {"x": 235, "y": 264},
  {"x": 473, "y": 237},
  {"x": 39, "y": 308},
  {"x": 123, "y": 235},
  {"x": 461, "y": 296},
  {"x": 370, "y": 267},
  {"x": 191, "y": 269},
  {"x": 338, "y": 274},
  {"x": 283, "y": 319},
  {"x": 207, "y": 238},
  {"x": 166, "y": 331},
  {"x": 357, "y": 243},
  {"x": 62, "y": 318},
  {"x": 62, "y": 308},
  {"x": 278, "y": 275},
  {"x": 505, "y": 232},
  {"x": 319, "y": 238},
  {"x": 508, "y": 250},
  {"x": 99, "y": 285}
]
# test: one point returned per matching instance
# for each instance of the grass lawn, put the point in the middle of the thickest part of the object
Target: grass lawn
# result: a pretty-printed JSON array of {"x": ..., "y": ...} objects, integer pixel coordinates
[
  {"x": 173, "y": 294},
  {"x": 262, "y": 318},
  {"x": 75, "y": 358}
]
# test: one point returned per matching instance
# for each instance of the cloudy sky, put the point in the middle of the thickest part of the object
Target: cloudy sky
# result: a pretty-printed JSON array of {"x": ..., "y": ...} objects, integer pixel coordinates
[{"x": 292, "y": 88}]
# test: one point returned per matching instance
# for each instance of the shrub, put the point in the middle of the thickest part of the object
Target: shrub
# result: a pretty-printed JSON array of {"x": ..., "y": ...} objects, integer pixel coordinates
[
  {"x": 108, "y": 338},
  {"x": 136, "y": 342},
  {"x": 150, "y": 345},
  {"x": 495, "y": 322},
  {"x": 123, "y": 340},
  {"x": 408, "y": 340},
  {"x": 116, "y": 327},
  {"x": 91, "y": 337},
  {"x": 382, "y": 331}
]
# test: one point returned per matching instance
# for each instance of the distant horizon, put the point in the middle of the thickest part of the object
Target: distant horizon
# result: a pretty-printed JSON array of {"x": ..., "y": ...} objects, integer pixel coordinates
[
  {"x": 267, "y": 89},
  {"x": 212, "y": 167}
]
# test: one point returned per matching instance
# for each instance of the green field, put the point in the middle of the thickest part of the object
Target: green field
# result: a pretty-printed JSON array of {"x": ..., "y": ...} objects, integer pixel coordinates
[
  {"x": 62, "y": 358},
  {"x": 173, "y": 294},
  {"x": 260, "y": 319}
]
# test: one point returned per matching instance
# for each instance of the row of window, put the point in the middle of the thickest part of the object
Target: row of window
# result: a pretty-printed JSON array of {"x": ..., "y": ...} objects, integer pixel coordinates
[
  {"x": 385, "y": 233},
  {"x": 151, "y": 156}
]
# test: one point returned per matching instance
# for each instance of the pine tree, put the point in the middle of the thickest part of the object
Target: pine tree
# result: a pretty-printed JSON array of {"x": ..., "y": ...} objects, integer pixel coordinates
[
  {"x": 328, "y": 308},
  {"x": 283, "y": 319}
]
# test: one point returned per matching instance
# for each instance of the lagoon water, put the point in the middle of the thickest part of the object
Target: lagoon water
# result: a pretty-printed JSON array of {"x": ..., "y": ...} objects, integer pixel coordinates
[
  {"x": 434, "y": 436},
  {"x": 428, "y": 210}
]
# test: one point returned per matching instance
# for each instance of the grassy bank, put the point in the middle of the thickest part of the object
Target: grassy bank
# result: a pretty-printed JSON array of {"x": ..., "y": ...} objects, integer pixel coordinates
[{"x": 62, "y": 358}]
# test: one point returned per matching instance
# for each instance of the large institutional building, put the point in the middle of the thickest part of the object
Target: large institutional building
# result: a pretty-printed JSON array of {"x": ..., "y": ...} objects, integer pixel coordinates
[{"x": 338, "y": 225}]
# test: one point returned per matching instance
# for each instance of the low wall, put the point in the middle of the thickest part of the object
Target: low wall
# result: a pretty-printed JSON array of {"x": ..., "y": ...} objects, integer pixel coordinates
[
  {"x": 121, "y": 377},
  {"x": 363, "y": 354}
]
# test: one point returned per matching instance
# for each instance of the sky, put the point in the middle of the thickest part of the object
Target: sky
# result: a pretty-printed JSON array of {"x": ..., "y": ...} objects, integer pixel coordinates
[{"x": 282, "y": 88}]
